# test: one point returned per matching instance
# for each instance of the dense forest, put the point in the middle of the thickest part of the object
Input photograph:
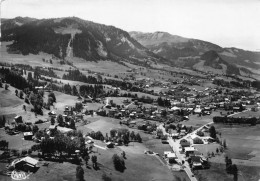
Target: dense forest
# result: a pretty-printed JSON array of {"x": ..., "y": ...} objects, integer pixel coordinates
[
  {"x": 76, "y": 75},
  {"x": 92, "y": 41},
  {"x": 30, "y": 38},
  {"x": 14, "y": 79}
]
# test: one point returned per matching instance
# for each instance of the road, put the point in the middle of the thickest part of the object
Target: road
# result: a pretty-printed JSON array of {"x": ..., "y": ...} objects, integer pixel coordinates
[{"x": 175, "y": 145}]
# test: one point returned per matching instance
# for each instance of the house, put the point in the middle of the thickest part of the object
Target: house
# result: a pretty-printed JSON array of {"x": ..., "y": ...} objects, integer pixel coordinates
[
  {"x": 184, "y": 143},
  {"x": 236, "y": 109},
  {"x": 110, "y": 144},
  {"x": 26, "y": 164},
  {"x": 18, "y": 119},
  {"x": 112, "y": 112},
  {"x": 28, "y": 135},
  {"x": 175, "y": 135},
  {"x": 132, "y": 122},
  {"x": 39, "y": 87},
  {"x": 175, "y": 108},
  {"x": 52, "y": 127},
  {"x": 164, "y": 140},
  {"x": 101, "y": 112},
  {"x": 189, "y": 150},
  {"x": 183, "y": 132},
  {"x": 196, "y": 162},
  {"x": 87, "y": 100},
  {"x": 171, "y": 157},
  {"x": 197, "y": 110},
  {"x": 2, "y": 154},
  {"x": 64, "y": 129},
  {"x": 90, "y": 142},
  {"x": 52, "y": 113}
]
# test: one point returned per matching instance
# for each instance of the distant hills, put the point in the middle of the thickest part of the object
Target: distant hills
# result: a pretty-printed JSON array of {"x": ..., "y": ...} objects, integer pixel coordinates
[
  {"x": 172, "y": 47},
  {"x": 70, "y": 37},
  {"x": 187, "y": 52}
]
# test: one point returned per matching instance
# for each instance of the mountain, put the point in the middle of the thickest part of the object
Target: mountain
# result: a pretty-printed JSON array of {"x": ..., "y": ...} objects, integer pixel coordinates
[
  {"x": 212, "y": 59},
  {"x": 241, "y": 57},
  {"x": 149, "y": 39},
  {"x": 186, "y": 52},
  {"x": 67, "y": 38},
  {"x": 71, "y": 37},
  {"x": 172, "y": 47},
  {"x": 18, "y": 21}
]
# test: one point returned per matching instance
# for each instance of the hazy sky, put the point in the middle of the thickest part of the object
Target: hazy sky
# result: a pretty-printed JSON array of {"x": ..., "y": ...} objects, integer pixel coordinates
[{"x": 228, "y": 23}]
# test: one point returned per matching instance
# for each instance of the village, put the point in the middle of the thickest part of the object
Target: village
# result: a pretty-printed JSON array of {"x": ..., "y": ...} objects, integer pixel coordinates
[{"x": 74, "y": 126}]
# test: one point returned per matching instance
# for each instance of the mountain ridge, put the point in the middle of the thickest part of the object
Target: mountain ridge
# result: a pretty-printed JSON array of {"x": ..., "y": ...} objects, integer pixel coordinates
[
  {"x": 187, "y": 53},
  {"x": 83, "y": 39},
  {"x": 70, "y": 37}
]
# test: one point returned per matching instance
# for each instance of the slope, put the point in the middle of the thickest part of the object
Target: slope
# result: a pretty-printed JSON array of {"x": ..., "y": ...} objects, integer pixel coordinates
[
  {"x": 172, "y": 46},
  {"x": 73, "y": 37}
]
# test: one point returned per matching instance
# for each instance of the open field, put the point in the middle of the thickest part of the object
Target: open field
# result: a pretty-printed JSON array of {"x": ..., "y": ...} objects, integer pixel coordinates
[
  {"x": 136, "y": 150},
  {"x": 207, "y": 148},
  {"x": 15, "y": 105},
  {"x": 9, "y": 99},
  {"x": 197, "y": 121},
  {"x": 248, "y": 114},
  {"x": 215, "y": 173},
  {"x": 246, "y": 138},
  {"x": 32, "y": 60},
  {"x": 16, "y": 141},
  {"x": 150, "y": 169},
  {"x": 106, "y": 67}
]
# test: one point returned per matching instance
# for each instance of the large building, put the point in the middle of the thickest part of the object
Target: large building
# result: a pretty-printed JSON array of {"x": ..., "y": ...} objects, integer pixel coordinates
[{"x": 26, "y": 164}]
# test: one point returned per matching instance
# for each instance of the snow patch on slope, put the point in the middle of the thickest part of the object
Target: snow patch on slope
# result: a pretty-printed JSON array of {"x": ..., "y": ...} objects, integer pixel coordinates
[
  {"x": 124, "y": 39},
  {"x": 158, "y": 51},
  {"x": 228, "y": 54},
  {"x": 18, "y": 23},
  {"x": 101, "y": 49}
]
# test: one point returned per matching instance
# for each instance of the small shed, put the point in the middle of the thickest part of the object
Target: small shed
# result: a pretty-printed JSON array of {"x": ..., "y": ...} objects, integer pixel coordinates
[
  {"x": 28, "y": 135},
  {"x": 90, "y": 142},
  {"x": 52, "y": 113},
  {"x": 110, "y": 144},
  {"x": 18, "y": 119}
]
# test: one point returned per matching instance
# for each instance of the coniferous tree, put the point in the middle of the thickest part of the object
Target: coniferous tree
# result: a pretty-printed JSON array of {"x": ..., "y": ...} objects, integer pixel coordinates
[
  {"x": 79, "y": 173},
  {"x": 212, "y": 132}
]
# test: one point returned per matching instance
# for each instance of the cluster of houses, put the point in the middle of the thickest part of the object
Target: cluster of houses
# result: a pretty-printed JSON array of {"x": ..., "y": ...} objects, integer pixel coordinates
[{"x": 194, "y": 158}]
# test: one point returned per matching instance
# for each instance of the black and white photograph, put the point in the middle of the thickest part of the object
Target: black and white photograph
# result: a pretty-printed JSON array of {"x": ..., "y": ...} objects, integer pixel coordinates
[{"x": 130, "y": 90}]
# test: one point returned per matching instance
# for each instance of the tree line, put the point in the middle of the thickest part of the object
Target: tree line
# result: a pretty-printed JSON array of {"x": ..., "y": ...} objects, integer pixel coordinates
[{"x": 232, "y": 120}]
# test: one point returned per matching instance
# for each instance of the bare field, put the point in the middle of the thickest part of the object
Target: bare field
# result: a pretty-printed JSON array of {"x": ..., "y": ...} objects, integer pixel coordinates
[
  {"x": 8, "y": 98},
  {"x": 207, "y": 148},
  {"x": 215, "y": 173},
  {"x": 243, "y": 141},
  {"x": 101, "y": 66}
]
